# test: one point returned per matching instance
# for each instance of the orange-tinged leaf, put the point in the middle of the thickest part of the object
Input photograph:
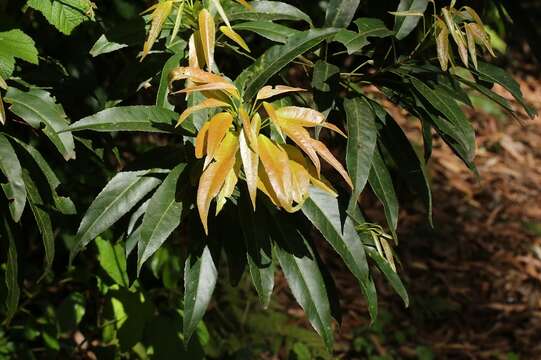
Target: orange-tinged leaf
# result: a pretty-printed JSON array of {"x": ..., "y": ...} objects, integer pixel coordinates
[
  {"x": 480, "y": 35},
  {"x": 329, "y": 157},
  {"x": 473, "y": 14},
  {"x": 274, "y": 118},
  {"x": 196, "y": 75},
  {"x": 244, "y": 3},
  {"x": 214, "y": 176},
  {"x": 218, "y": 127},
  {"x": 250, "y": 164},
  {"x": 230, "y": 33},
  {"x": 334, "y": 128},
  {"x": 205, "y": 104},
  {"x": 276, "y": 164},
  {"x": 227, "y": 189},
  {"x": 269, "y": 91},
  {"x": 471, "y": 44},
  {"x": 228, "y": 87},
  {"x": 302, "y": 138},
  {"x": 207, "y": 32},
  {"x": 456, "y": 34},
  {"x": 201, "y": 141},
  {"x": 256, "y": 123},
  {"x": 160, "y": 13},
  {"x": 263, "y": 184},
  {"x": 193, "y": 59},
  {"x": 249, "y": 130},
  {"x": 300, "y": 182},
  {"x": 301, "y": 116}
]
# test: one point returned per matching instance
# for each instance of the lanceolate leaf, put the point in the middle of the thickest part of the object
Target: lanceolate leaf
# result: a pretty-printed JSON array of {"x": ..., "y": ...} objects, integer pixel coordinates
[
  {"x": 340, "y": 12},
  {"x": 129, "y": 118},
  {"x": 267, "y": 11},
  {"x": 408, "y": 16},
  {"x": 368, "y": 27},
  {"x": 65, "y": 15},
  {"x": 162, "y": 216},
  {"x": 200, "y": 276},
  {"x": 362, "y": 138},
  {"x": 161, "y": 97},
  {"x": 43, "y": 220},
  {"x": 494, "y": 74},
  {"x": 14, "y": 189},
  {"x": 389, "y": 273},
  {"x": 382, "y": 184},
  {"x": 11, "y": 274},
  {"x": 275, "y": 32},
  {"x": 305, "y": 281},
  {"x": 323, "y": 211},
  {"x": 121, "y": 194},
  {"x": 273, "y": 60},
  {"x": 39, "y": 109}
]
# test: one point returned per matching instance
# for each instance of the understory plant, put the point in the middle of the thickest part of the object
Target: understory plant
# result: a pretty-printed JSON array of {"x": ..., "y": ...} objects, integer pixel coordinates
[{"x": 233, "y": 137}]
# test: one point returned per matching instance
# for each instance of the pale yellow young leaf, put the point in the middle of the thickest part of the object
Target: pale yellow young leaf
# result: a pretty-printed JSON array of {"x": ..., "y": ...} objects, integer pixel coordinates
[
  {"x": 228, "y": 87},
  {"x": 301, "y": 116},
  {"x": 300, "y": 182},
  {"x": 329, "y": 157},
  {"x": 227, "y": 189},
  {"x": 201, "y": 141},
  {"x": 471, "y": 44},
  {"x": 302, "y": 138},
  {"x": 158, "y": 16},
  {"x": 271, "y": 111},
  {"x": 232, "y": 34},
  {"x": 196, "y": 75},
  {"x": 250, "y": 164},
  {"x": 214, "y": 176},
  {"x": 207, "y": 32},
  {"x": 276, "y": 165},
  {"x": 269, "y": 91},
  {"x": 334, "y": 128},
  {"x": 457, "y": 36},
  {"x": 193, "y": 60},
  {"x": 178, "y": 21},
  {"x": 218, "y": 128},
  {"x": 205, "y": 104},
  {"x": 221, "y": 11},
  {"x": 250, "y": 131},
  {"x": 473, "y": 14}
]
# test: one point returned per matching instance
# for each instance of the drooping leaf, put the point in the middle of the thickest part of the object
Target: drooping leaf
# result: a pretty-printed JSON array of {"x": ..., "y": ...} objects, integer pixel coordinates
[
  {"x": 112, "y": 259},
  {"x": 274, "y": 32},
  {"x": 381, "y": 183},
  {"x": 410, "y": 12},
  {"x": 361, "y": 142},
  {"x": 14, "y": 189},
  {"x": 122, "y": 193},
  {"x": 494, "y": 74},
  {"x": 39, "y": 109},
  {"x": 163, "y": 89},
  {"x": 324, "y": 213},
  {"x": 389, "y": 273},
  {"x": 43, "y": 219},
  {"x": 162, "y": 216},
  {"x": 274, "y": 59},
  {"x": 340, "y": 13},
  {"x": 16, "y": 44},
  {"x": 200, "y": 277},
  {"x": 267, "y": 11},
  {"x": 65, "y": 15},
  {"x": 498, "y": 99},
  {"x": 368, "y": 27},
  {"x": 304, "y": 279},
  {"x": 129, "y": 118},
  {"x": 11, "y": 273}
]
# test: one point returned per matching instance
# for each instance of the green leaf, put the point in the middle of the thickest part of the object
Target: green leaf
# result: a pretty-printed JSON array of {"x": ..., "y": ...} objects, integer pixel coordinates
[
  {"x": 14, "y": 189},
  {"x": 340, "y": 13},
  {"x": 259, "y": 249},
  {"x": 274, "y": 32},
  {"x": 381, "y": 183},
  {"x": 62, "y": 204},
  {"x": 129, "y": 118},
  {"x": 113, "y": 260},
  {"x": 39, "y": 109},
  {"x": 267, "y": 11},
  {"x": 43, "y": 220},
  {"x": 409, "y": 165},
  {"x": 16, "y": 44},
  {"x": 389, "y": 273},
  {"x": 11, "y": 275},
  {"x": 200, "y": 277},
  {"x": 368, "y": 27},
  {"x": 162, "y": 216},
  {"x": 323, "y": 71},
  {"x": 324, "y": 212},
  {"x": 65, "y": 15},
  {"x": 126, "y": 33},
  {"x": 277, "y": 57},
  {"x": 448, "y": 107},
  {"x": 305, "y": 280},
  {"x": 70, "y": 313},
  {"x": 494, "y": 74},
  {"x": 7, "y": 66},
  {"x": 498, "y": 99},
  {"x": 163, "y": 90},
  {"x": 122, "y": 193},
  {"x": 407, "y": 18},
  {"x": 362, "y": 138}
]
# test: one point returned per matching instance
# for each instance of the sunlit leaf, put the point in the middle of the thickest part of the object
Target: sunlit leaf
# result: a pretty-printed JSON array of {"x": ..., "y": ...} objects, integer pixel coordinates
[
  {"x": 218, "y": 128},
  {"x": 207, "y": 32},
  {"x": 205, "y": 104},
  {"x": 250, "y": 164},
  {"x": 65, "y": 15},
  {"x": 276, "y": 164},
  {"x": 325, "y": 153},
  {"x": 230, "y": 33},
  {"x": 269, "y": 30},
  {"x": 269, "y": 91},
  {"x": 442, "y": 45},
  {"x": 161, "y": 12}
]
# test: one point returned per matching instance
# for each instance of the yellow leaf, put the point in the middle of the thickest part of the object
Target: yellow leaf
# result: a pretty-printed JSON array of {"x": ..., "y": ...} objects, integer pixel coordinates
[
  {"x": 230, "y": 33},
  {"x": 276, "y": 164},
  {"x": 196, "y": 75},
  {"x": 201, "y": 141},
  {"x": 300, "y": 182},
  {"x": 250, "y": 164},
  {"x": 2, "y": 112},
  {"x": 178, "y": 21},
  {"x": 480, "y": 35},
  {"x": 456, "y": 34},
  {"x": 302, "y": 138},
  {"x": 471, "y": 44},
  {"x": 207, "y": 31},
  {"x": 230, "y": 88},
  {"x": 268, "y": 91},
  {"x": 274, "y": 118},
  {"x": 205, "y": 104},
  {"x": 227, "y": 189},
  {"x": 244, "y": 3},
  {"x": 301, "y": 116},
  {"x": 214, "y": 176},
  {"x": 219, "y": 126},
  {"x": 221, "y": 11},
  {"x": 158, "y": 16},
  {"x": 442, "y": 45},
  {"x": 473, "y": 14},
  {"x": 333, "y": 128},
  {"x": 193, "y": 59},
  {"x": 329, "y": 157},
  {"x": 249, "y": 131}
]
